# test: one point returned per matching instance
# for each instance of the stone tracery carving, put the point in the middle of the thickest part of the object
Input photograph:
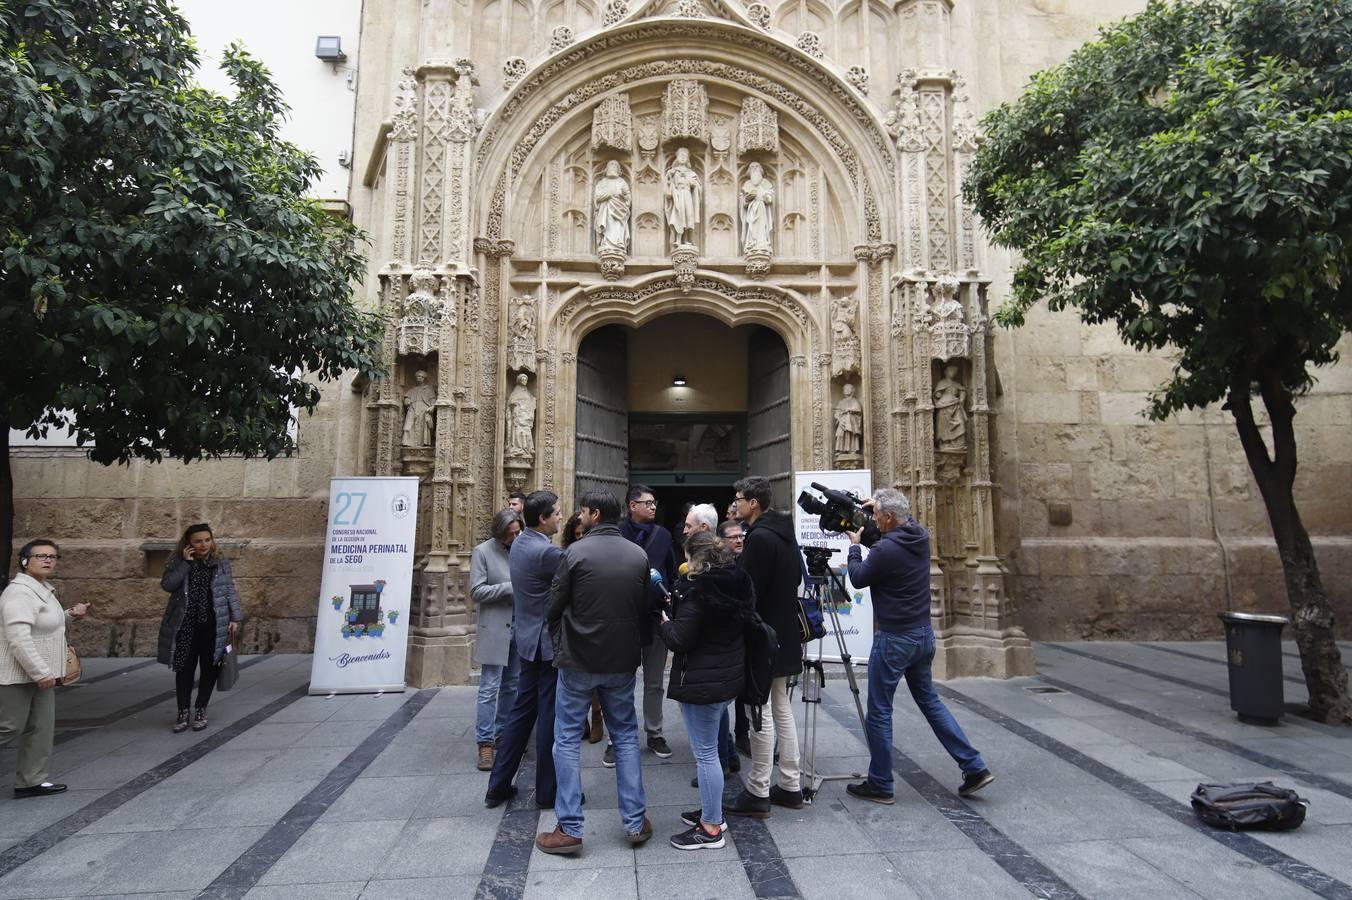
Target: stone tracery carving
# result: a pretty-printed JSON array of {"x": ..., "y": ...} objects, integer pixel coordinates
[
  {"x": 521, "y": 337},
  {"x": 421, "y": 315},
  {"x": 513, "y": 70},
  {"x": 462, "y": 122},
  {"x": 404, "y": 119},
  {"x": 845, "y": 358},
  {"x": 858, "y": 76},
  {"x": 612, "y": 123},
  {"x": 614, "y": 13},
  {"x": 950, "y": 334},
  {"x": 560, "y": 38},
  {"x": 689, "y": 9},
  {"x": 758, "y": 127},
  {"x": 760, "y": 14},
  {"x": 685, "y": 110},
  {"x": 810, "y": 42}
]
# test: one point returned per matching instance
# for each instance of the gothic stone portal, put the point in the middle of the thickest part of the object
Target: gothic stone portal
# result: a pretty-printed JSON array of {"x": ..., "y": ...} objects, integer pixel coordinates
[{"x": 692, "y": 164}]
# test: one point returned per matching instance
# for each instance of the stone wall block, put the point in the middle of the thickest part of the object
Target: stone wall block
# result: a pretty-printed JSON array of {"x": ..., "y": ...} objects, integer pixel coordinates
[
  {"x": 256, "y": 478},
  {"x": 160, "y": 519},
  {"x": 1123, "y": 407},
  {"x": 1045, "y": 481},
  {"x": 291, "y": 519},
  {"x": 66, "y": 519},
  {"x": 1049, "y": 406}
]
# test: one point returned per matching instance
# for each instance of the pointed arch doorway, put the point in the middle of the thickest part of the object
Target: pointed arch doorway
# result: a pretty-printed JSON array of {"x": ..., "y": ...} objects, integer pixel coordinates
[{"x": 685, "y": 404}]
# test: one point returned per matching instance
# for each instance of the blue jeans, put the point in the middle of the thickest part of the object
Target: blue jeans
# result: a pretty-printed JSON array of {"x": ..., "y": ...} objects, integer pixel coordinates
[
  {"x": 910, "y": 655},
  {"x": 532, "y": 710},
  {"x": 727, "y": 748},
  {"x": 572, "y": 703},
  {"x": 497, "y": 690},
  {"x": 702, "y": 725}
]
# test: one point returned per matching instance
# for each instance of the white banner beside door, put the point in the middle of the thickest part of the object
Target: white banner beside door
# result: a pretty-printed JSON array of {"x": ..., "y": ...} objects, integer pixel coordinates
[
  {"x": 361, "y": 631},
  {"x": 856, "y": 609}
]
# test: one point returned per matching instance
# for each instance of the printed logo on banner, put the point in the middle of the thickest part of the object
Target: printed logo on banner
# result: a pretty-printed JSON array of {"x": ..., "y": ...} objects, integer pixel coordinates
[{"x": 400, "y": 506}]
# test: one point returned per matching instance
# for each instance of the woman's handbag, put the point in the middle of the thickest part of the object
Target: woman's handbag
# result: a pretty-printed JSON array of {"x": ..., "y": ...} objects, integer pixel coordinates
[
  {"x": 227, "y": 673},
  {"x": 73, "y": 668}
]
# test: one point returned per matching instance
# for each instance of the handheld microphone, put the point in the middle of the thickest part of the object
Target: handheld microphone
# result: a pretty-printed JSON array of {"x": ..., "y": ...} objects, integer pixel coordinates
[
  {"x": 655, "y": 579},
  {"x": 682, "y": 569}
]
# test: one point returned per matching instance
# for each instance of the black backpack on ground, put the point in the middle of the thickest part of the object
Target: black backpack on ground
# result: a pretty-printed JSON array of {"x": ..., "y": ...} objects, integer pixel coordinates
[
  {"x": 761, "y": 644},
  {"x": 1238, "y": 806}
]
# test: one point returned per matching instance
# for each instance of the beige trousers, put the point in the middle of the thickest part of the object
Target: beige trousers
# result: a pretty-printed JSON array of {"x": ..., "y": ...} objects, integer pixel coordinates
[
  {"x": 28, "y": 719},
  {"x": 784, "y": 732}
]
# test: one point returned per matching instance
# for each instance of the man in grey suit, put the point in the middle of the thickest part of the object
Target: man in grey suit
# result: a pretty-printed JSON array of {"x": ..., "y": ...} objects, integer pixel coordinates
[
  {"x": 490, "y": 588},
  {"x": 532, "y": 562}
]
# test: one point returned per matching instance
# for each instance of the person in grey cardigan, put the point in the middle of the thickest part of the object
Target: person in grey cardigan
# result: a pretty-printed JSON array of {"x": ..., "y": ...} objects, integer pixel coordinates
[
  {"x": 201, "y": 617},
  {"x": 490, "y": 587}
]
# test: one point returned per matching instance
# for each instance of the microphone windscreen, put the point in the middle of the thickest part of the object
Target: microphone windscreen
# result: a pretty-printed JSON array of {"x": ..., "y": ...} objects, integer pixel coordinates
[
  {"x": 683, "y": 569},
  {"x": 655, "y": 577}
]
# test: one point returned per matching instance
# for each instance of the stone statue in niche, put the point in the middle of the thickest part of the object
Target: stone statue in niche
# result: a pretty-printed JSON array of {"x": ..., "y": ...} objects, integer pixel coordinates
[
  {"x": 845, "y": 348},
  {"x": 521, "y": 420},
  {"x": 950, "y": 414},
  {"x": 521, "y": 340},
  {"x": 758, "y": 195},
  {"x": 612, "y": 211},
  {"x": 420, "y": 412},
  {"x": 682, "y": 188},
  {"x": 849, "y": 444}
]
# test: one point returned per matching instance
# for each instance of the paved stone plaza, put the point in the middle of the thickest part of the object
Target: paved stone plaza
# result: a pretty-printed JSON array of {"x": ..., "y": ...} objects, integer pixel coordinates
[{"x": 291, "y": 796}]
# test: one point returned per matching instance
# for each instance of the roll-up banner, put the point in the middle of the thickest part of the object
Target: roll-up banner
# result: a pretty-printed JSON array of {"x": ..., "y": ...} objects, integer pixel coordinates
[
  {"x": 855, "y": 607},
  {"x": 361, "y": 632}
]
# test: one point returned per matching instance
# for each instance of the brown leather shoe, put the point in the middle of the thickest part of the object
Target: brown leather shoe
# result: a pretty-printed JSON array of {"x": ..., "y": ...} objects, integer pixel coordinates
[
  {"x": 557, "y": 842},
  {"x": 641, "y": 836},
  {"x": 485, "y": 758},
  {"x": 598, "y": 724}
]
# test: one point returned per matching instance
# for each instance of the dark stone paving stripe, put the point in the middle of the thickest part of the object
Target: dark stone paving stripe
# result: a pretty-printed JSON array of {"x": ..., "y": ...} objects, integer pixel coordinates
[
  {"x": 761, "y": 860},
  {"x": 1142, "y": 670},
  {"x": 1268, "y": 762},
  {"x": 505, "y": 871},
  {"x": 82, "y": 818},
  {"x": 241, "y": 875},
  {"x": 1289, "y": 867},
  {"x": 116, "y": 672},
  {"x": 1209, "y": 659},
  {"x": 77, "y": 727},
  {"x": 1004, "y": 851}
]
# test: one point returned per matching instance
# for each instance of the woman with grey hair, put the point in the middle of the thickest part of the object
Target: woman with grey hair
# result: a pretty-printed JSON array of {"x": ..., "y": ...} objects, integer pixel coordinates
[{"x": 490, "y": 589}]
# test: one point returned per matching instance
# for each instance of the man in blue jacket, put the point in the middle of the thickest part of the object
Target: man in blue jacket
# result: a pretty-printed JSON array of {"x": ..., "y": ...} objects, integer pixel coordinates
[
  {"x": 533, "y": 560},
  {"x": 897, "y": 572}
]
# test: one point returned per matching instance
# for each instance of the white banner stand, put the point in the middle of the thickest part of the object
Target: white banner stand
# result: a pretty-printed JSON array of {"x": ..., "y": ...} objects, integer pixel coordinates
[
  {"x": 361, "y": 631},
  {"x": 856, "y": 617}
]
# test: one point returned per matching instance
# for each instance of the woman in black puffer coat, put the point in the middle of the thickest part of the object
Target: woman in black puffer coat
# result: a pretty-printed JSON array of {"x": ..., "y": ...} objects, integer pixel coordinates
[{"x": 706, "y": 635}]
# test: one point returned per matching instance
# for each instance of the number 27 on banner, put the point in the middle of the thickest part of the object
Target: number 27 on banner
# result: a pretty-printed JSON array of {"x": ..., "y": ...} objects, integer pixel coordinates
[{"x": 344, "y": 505}]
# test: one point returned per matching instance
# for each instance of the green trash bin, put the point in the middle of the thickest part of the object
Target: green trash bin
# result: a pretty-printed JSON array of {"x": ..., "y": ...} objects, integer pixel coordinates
[{"x": 1253, "y": 648}]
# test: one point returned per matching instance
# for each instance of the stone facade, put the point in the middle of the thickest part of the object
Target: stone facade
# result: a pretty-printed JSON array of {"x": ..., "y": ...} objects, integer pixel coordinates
[{"x": 529, "y": 174}]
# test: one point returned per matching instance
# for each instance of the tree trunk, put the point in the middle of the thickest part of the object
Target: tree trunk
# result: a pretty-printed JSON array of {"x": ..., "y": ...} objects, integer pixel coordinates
[
  {"x": 6, "y": 507},
  {"x": 1311, "y": 615}
]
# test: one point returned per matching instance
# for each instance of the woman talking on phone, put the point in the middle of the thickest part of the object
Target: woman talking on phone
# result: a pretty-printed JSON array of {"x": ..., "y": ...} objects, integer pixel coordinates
[
  {"x": 202, "y": 616},
  {"x": 32, "y": 661}
]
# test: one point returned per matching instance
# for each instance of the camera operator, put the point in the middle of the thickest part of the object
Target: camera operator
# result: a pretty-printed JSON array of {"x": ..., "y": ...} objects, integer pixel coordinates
[
  {"x": 770, "y": 556},
  {"x": 897, "y": 572}
]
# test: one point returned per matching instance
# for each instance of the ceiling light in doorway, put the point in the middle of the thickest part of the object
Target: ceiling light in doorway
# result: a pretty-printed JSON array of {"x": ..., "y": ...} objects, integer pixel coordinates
[{"x": 678, "y": 381}]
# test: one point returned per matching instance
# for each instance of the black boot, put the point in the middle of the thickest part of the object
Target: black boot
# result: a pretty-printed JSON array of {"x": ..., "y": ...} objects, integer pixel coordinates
[{"x": 181, "y": 723}]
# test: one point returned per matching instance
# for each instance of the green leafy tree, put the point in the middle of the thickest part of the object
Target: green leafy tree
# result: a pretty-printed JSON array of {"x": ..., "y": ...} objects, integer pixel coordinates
[
  {"x": 1188, "y": 178},
  {"x": 165, "y": 283}
]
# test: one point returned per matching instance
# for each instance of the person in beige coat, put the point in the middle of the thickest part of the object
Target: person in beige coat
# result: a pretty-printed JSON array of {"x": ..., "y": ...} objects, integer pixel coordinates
[{"x": 32, "y": 661}]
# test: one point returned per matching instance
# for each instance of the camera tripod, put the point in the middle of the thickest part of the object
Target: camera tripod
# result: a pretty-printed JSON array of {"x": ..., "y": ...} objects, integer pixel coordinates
[{"x": 820, "y": 588}]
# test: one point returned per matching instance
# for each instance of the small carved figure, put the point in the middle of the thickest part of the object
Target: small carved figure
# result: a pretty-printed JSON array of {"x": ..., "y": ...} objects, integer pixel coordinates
[
  {"x": 521, "y": 341},
  {"x": 849, "y": 424},
  {"x": 950, "y": 414},
  {"x": 683, "y": 188},
  {"x": 758, "y": 195},
  {"x": 521, "y": 420},
  {"x": 842, "y": 319},
  {"x": 420, "y": 411},
  {"x": 612, "y": 210}
]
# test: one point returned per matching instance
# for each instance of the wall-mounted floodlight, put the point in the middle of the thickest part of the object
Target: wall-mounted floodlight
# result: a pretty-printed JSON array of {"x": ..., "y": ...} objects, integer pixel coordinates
[
  {"x": 329, "y": 47},
  {"x": 678, "y": 381}
]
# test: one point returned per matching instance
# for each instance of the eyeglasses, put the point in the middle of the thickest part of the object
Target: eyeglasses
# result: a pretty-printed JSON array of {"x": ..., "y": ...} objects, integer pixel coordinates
[
  {"x": 49, "y": 557},
  {"x": 739, "y": 499},
  {"x": 644, "y": 502}
]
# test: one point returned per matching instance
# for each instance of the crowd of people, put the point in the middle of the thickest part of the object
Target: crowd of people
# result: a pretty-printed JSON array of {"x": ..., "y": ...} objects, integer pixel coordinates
[
  {"x": 572, "y": 626},
  {"x": 563, "y": 631}
]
